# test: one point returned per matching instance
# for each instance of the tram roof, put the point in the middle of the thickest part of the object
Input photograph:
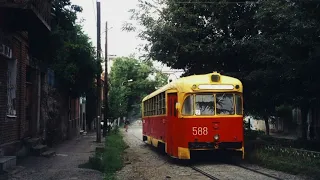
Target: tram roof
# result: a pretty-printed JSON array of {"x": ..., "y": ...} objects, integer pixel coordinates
[{"x": 185, "y": 84}]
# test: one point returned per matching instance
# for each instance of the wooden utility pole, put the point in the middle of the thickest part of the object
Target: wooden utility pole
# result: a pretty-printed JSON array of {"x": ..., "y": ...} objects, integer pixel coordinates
[
  {"x": 99, "y": 74},
  {"x": 106, "y": 84}
]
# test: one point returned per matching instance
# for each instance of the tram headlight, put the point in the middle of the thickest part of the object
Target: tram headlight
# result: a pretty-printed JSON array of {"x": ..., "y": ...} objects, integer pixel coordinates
[{"x": 216, "y": 137}]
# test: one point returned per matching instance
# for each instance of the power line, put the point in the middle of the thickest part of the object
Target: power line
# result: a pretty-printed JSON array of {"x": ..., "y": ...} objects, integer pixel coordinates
[{"x": 235, "y": 2}]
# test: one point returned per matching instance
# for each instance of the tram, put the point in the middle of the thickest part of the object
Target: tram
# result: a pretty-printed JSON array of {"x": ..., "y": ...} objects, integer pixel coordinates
[{"x": 195, "y": 113}]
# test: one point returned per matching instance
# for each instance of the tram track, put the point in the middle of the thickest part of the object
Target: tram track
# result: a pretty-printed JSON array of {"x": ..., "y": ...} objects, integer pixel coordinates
[
  {"x": 204, "y": 173},
  {"x": 256, "y": 171},
  {"x": 209, "y": 175}
]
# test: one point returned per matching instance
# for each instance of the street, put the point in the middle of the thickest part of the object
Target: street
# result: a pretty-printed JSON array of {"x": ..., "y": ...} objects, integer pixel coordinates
[{"x": 143, "y": 162}]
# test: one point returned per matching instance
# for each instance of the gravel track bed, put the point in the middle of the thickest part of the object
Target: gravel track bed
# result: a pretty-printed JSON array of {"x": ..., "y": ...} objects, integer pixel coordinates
[{"x": 143, "y": 162}]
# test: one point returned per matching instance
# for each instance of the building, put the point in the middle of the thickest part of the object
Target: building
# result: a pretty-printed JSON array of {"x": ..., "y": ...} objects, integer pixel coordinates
[
  {"x": 26, "y": 84},
  {"x": 24, "y": 30}
]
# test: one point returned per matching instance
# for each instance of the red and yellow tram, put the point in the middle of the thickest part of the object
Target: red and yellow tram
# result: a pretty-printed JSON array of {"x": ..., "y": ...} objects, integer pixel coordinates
[{"x": 199, "y": 112}]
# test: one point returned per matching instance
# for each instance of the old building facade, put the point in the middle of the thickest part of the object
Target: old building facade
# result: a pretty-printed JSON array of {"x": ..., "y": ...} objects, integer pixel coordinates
[{"x": 26, "y": 80}]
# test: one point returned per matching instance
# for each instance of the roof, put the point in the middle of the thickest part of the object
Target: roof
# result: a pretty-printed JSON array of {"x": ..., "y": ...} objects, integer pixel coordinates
[{"x": 184, "y": 84}]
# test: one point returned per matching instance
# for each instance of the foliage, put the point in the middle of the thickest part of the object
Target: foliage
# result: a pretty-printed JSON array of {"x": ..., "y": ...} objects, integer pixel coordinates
[
  {"x": 272, "y": 46},
  {"x": 73, "y": 56},
  {"x": 284, "y": 112},
  {"x": 124, "y": 95}
]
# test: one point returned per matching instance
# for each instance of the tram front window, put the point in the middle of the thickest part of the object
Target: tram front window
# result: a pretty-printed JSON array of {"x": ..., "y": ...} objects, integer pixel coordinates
[
  {"x": 225, "y": 104},
  {"x": 204, "y": 104},
  {"x": 188, "y": 106}
]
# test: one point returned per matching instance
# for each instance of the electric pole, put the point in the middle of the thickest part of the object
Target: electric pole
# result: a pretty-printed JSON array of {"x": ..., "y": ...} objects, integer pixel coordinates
[
  {"x": 99, "y": 74},
  {"x": 106, "y": 85}
]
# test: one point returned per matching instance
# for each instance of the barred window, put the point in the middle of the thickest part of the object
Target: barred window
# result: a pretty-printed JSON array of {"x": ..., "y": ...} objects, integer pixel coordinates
[
  {"x": 155, "y": 105},
  {"x": 11, "y": 87}
]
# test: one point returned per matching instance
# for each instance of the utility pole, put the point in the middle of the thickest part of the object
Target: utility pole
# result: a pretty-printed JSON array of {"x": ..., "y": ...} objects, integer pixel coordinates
[
  {"x": 106, "y": 85},
  {"x": 98, "y": 75}
]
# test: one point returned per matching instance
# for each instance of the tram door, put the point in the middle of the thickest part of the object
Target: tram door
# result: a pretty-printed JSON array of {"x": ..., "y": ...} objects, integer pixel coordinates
[{"x": 172, "y": 148}]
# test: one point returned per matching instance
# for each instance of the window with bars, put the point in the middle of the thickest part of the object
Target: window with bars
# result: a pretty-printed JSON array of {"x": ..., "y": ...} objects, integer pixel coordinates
[
  {"x": 11, "y": 87},
  {"x": 155, "y": 105}
]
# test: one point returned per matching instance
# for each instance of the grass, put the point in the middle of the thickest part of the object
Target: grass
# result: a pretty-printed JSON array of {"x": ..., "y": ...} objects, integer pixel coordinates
[
  {"x": 113, "y": 154},
  {"x": 111, "y": 159}
]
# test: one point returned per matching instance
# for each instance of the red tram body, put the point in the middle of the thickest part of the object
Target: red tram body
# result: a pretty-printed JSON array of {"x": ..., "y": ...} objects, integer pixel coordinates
[{"x": 199, "y": 112}]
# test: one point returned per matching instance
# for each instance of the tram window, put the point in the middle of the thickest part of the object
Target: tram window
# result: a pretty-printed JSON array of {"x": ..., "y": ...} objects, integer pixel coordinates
[
  {"x": 153, "y": 106},
  {"x": 238, "y": 104},
  {"x": 163, "y": 103},
  {"x": 225, "y": 104},
  {"x": 204, "y": 104},
  {"x": 157, "y": 104},
  {"x": 147, "y": 108},
  {"x": 187, "y": 108}
]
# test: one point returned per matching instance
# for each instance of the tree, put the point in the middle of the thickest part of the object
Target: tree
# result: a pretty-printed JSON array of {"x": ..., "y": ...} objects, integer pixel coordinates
[
  {"x": 73, "y": 56},
  {"x": 269, "y": 45},
  {"x": 289, "y": 39},
  {"x": 125, "y": 96},
  {"x": 219, "y": 36}
]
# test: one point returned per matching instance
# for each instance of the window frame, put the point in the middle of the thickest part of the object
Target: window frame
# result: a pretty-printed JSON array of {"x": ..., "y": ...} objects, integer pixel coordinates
[
  {"x": 214, "y": 101},
  {"x": 234, "y": 103},
  {"x": 193, "y": 104},
  {"x": 12, "y": 69},
  {"x": 215, "y": 104}
]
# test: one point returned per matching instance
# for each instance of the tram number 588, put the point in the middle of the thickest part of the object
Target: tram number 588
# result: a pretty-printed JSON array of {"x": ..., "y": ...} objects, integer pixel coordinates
[{"x": 199, "y": 131}]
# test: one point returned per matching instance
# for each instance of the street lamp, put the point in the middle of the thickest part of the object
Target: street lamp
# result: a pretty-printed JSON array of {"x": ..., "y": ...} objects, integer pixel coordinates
[{"x": 130, "y": 80}]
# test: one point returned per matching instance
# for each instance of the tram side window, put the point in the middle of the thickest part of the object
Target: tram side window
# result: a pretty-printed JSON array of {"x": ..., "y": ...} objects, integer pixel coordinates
[
  {"x": 163, "y": 103},
  {"x": 238, "y": 104},
  {"x": 187, "y": 108},
  {"x": 144, "y": 108},
  {"x": 156, "y": 98},
  {"x": 204, "y": 104},
  {"x": 153, "y": 106},
  {"x": 149, "y": 107},
  {"x": 154, "y": 102},
  {"x": 225, "y": 104}
]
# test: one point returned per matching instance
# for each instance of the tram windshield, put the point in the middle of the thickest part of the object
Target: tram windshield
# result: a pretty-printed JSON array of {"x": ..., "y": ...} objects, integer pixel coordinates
[{"x": 206, "y": 104}]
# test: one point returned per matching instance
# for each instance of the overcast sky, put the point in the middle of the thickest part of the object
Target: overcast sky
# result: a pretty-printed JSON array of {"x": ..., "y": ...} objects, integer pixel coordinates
[{"x": 120, "y": 43}]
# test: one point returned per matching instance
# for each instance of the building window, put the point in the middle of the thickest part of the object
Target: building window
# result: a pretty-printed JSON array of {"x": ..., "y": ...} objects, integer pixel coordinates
[{"x": 11, "y": 87}]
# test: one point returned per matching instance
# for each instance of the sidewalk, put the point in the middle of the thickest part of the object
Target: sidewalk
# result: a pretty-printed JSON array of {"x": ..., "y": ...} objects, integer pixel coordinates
[{"x": 63, "y": 166}]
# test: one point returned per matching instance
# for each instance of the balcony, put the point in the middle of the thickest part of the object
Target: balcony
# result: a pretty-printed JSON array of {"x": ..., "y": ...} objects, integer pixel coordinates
[{"x": 25, "y": 15}]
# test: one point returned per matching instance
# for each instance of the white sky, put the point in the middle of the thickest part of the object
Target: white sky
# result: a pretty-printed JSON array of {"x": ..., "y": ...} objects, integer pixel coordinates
[{"x": 120, "y": 43}]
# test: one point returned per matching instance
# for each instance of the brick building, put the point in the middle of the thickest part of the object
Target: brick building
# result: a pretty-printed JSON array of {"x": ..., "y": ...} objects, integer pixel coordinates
[
  {"x": 25, "y": 77},
  {"x": 24, "y": 29}
]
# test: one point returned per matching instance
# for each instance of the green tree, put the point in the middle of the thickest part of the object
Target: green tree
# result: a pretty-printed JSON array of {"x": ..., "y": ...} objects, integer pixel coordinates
[
  {"x": 289, "y": 40},
  {"x": 269, "y": 45},
  {"x": 73, "y": 56},
  {"x": 125, "y": 95}
]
